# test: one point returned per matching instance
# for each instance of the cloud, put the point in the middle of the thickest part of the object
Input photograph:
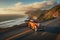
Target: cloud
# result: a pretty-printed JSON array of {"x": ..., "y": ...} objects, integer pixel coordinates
[
  {"x": 18, "y": 4},
  {"x": 21, "y": 8}
]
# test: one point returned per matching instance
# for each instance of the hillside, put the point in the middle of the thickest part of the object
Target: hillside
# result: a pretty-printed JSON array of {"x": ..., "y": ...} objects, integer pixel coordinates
[
  {"x": 36, "y": 13},
  {"x": 53, "y": 12},
  {"x": 43, "y": 15}
]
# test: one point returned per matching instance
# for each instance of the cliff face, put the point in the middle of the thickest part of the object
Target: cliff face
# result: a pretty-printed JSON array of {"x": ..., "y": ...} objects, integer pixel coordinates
[
  {"x": 36, "y": 13},
  {"x": 53, "y": 12},
  {"x": 43, "y": 15}
]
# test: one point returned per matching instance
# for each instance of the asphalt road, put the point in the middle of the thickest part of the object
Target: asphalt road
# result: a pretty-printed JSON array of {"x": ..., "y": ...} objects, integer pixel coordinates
[
  {"x": 40, "y": 35},
  {"x": 9, "y": 33},
  {"x": 27, "y": 34}
]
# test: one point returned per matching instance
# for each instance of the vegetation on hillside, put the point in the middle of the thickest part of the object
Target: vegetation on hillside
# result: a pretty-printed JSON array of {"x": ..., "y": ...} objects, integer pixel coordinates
[{"x": 43, "y": 15}]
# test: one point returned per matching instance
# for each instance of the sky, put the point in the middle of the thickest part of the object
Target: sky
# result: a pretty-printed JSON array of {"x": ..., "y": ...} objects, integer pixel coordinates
[{"x": 22, "y": 6}]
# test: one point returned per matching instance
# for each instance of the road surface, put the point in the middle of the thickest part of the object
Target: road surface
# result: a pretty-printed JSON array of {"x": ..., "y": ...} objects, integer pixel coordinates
[
  {"x": 4, "y": 35},
  {"x": 26, "y": 33}
]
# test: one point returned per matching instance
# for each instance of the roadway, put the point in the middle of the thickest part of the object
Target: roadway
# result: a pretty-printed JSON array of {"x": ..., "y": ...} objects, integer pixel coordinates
[
  {"x": 27, "y": 34},
  {"x": 4, "y": 35}
]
